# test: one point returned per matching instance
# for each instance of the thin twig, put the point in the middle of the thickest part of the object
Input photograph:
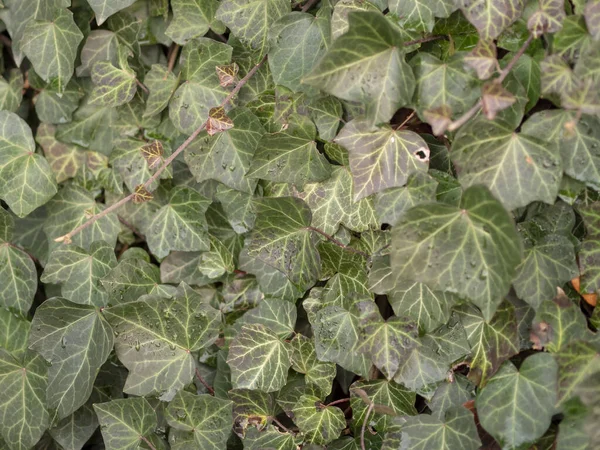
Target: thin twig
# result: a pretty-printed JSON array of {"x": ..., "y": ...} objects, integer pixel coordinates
[
  {"x": 410, "y": 116},
  {"x": 132, "y": 228},
  {"x": 503, "y": 74},
  {"x": 210, "y": 390},
  {"x": 343, "y": 400},
  {"x": 423, "y": 40},
  {"x": 364, "y": 425},
  {"x": 67, "y": 237},
  {"x": 172, "y": 57},
  {"x": 309, "y": 4},
  {"x": 338, "y": 243},
  {"x": 141, "y": 85},
  {"x": 282, "y": 426},
  {"x": 148, "y": 443}
]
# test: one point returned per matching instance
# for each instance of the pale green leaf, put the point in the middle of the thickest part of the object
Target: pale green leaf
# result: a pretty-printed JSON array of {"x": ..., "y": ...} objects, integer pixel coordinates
[
  {"x": 576, "y": 362},
  {"x": 451, "y": 394},
  {"x": 161, "y": 83},
  {"x": 207, "y": 417},
  {"x": 14, "y": 332},
  {"x": 100, "y": 45},
  {"x": 125, "y": 422},
  {"x": 491, "y": 18},
  {"x": 252, "y": 409},
  {"x": 573, "y": 38},
  {"x": 548, "y": 18},
  {"x": 516, "y": 405},
  {"x": 79, "y": 272},
  {"x": 11, "y": 91},
  {"x": 339, "y": 18},
  {"x": 382, "y": 158},
  {"x": 367, "y": 65},
  {"x": 191, "y": 19},
  {"x": 326, "y": 113},
  {"x": 23, "y": 414},
  {"x": 279, "y": 316},
  {"x": 304, "y": 360},
  {"x": 320, "y": 424},
  {"x": 238, "y": 208},
  {"x": 51, "y": 46},
  {"x": 130, "y": 279},
  {"x": 258, "y": 359},
  {"x": 592, "y": 18},
  {"x": 479, "y": 265},
  {"x": 53, "y": 107},
  {"x": 419, "y": 14},
  {"x": 26, "y": 179},
  {"x": 18, "y": 278},
  {"x": 270, "y": 438},
  {"x": 155, "y": 338},
  {"x": 113, "y": 86},
  {"x": 77, "y": 341}
]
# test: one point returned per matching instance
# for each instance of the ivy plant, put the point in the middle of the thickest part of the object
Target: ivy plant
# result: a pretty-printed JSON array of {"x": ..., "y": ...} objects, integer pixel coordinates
[{"x": 306, "y": 224}]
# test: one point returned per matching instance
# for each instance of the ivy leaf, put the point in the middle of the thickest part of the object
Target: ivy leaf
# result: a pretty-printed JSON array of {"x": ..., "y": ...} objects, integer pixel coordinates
[
  {"x": 557, "y": 323},
  {"x": 451, "y": 394},
  {"x": 11, "y": 91},
  {"x": 304, "y": 360},
  {"x": 456, "y": 429},
  {"x": 22, "y": 399},
  {"x": 113, "y": 86},
  {"x": 495, "y": 98},
  {"x": 14, "y": 333},
  {"x": 326, "y": 113},
  {"x": 227, "y": 156},
  {"x": 386, "y": 342},
  {"x": 277, "y": 315},
  {"x": 73, "y": 206},
  {"x": 258, "y": 359},
  {"x": 100, "y": 45},
  {"x": 383, "y": 158},
  {"x": 18, "y": 280},
  {"x": 319, "y": 424},
  {"x": 290, "y": 156},
  {"x": 483, "y": 59},
  {"x": 281, "y": 239},
  {"x": 501, "y": 404},
  {"x": 238, "y": 208},
  {"x": 208, "y": 418},
  {"x": 51, "y": 46},
  {"x": 366, "y": 65},
  {"x": 270, "y": 438},
  {"x": 486, "y": 269},
  {"x": 125, "y": 423},
  {"x": 77, "y": 341},
  {"x": 155, "y": 338},
  {"x": 296, "y": 43},
  {"x": 547, "y": 264},
  {"x": 548, "y": 18},
  {"x": 26, "y": 179},
  {"x": 420, "y": 15},
  {"x": 251, "y": 20},
  {"x": 491, "y": 342},
  {"x": 592, "y": 19},
  {"x": 251, "y": 409},
  {"x": 80, "y": 272},
  {"x": 130, "y": 279},
  {"x": 106, "y": 8},
  {"x": 490, "y": 153},
  {"x": 573, "y": 38},
  {"x": 191, "y": 19},
  {"x": 180, "y": 224},
  {"x": 491, "y": 19},
  {"x": 161, "y": 83},
  {"x": 576, "y": 362}
]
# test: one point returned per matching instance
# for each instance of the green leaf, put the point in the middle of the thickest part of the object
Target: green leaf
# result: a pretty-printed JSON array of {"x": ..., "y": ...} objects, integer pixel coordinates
[
  {"x": 251, "y": 408},
  {"x": 516, "y": 405},
  {"x": 191, "y": 19},
  {"x": 492, "y": 342},
  {"x": 18, "y": 278},
  {"x": 592, "y": 19},
  {"x": 455, "y": 430},
  {"x": 382, "y": 158},
  {"x": 548, "y": 18},
  {"x": 54, "y": 107},
  {"x": 258, "y": 359},
  {"x": 548, "y": 263},
  {"x": 479, "y": 266},
  {"x": 73, "y": 206},
  {"x": 226, "y": 156},
  {"x": 573, "y": 38},
  {"x": 278, "y": 316},
  {"x": 161, "y": 83},
  {"x": 557, "y": 323},
  {"x": 386, "y": 342},
  {"x": 106, "y": 8},
  {"x": 125, "y": 423},
  {"x": 208, "y": 418},
  {"x": 576, "y": 362},
  {"x": 420, "y": 15},
  {"x": 517, "y": 168},
  {"x": 366, "y": 65},
  {"x": 130, "y": 279},
  {"x": 296, "y": 43},
  {"x": 51, "y": 46},
  {"x": 304, "y": 360},
  {"x": 451, "y": 394},
  {"x": 251, "y": 20},
  {"x": 282, "y": 240},
  {"x": 320, "y": 424},
  {"x": 22, "y": 399},
  {"x": 270, "y": 438},
  {"x": 180, "y": 224},
  {"x": 26, "y": 179},
  {"x": 77, "y": 341},
  {"x": 290, "y": 156},
  {"x": 113, "y": 86},
  {"x": 11, "y": 91},
  {"x": 100, "y": 45},
  {"x": 326, "y": 113},
  {"x": 14, "y": 332},
  {"x": 483, "y": 59},
  {"x": 155, "y": 338},
  {"x": 491, "y": 18},
  {"x": 79, "y": 272}
]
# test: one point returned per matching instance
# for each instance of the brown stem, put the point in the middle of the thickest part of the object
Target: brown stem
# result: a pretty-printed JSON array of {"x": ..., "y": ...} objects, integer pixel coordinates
[
  {"x": 172, "y": 57},
  {"x": 338, "y": 243},
  {"x": 132, "y": 228},
  {"x": 423, "y": 40},
  {"x": 141, "y": 85},
  {"x": 67, "y": 237},
  {"x": 210, "y": 390},
  {"x": 364, "y": 425},
  {"x": 405, "y": 121},
  {"x": 503, "y": 74},
  {"x": 282, "y": 426},
  {"x": 148, "y": 443},
  {"x": 343, "y": 400},
  {"x": 309, "y": 4}
]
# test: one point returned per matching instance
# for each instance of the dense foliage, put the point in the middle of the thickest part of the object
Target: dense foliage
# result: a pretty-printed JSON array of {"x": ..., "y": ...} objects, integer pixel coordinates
[{"x": 264, "y": 224}]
